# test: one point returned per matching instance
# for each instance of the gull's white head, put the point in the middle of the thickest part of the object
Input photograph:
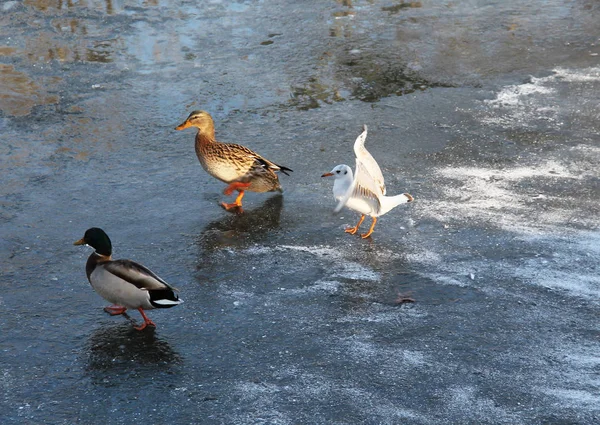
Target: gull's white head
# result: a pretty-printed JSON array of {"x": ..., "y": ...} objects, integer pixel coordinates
[
  {"x": 343, "y": 180},
  {"x": 341, "y": 171}
]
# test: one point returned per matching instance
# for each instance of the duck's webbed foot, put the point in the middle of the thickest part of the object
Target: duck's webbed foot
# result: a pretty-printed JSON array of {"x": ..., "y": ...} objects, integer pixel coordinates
[
  {"x": 237, "y": 205},
  {"x": 147, "y": 321}
]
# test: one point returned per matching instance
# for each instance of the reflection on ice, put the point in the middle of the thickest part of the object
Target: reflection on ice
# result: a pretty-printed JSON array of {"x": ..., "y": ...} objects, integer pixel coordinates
[
  {"x": 19, "y": 93},
  {"x": 255, "y": 220},
  {"x": 242, "y": 230},
  {"x": 122, "y": 349},
  {"x": 111, "y": 7}
]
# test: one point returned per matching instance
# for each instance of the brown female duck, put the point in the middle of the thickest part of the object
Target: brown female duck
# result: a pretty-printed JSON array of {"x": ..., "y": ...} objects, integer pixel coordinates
[{"x": 236, "y": 165}]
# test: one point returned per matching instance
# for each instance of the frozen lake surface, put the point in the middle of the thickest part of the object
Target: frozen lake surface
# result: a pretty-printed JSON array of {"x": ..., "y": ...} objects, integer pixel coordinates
[{"x": 486, "y": 112}]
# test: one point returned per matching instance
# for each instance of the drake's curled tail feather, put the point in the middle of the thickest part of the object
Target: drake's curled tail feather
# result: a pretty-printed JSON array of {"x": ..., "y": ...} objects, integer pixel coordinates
[{"x": 164, "y": 298}]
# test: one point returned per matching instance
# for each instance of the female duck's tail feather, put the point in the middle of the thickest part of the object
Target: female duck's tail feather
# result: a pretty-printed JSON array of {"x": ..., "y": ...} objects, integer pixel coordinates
[
  {"x": 265, "y": 163},
  {"x": 284, "y": 170}
]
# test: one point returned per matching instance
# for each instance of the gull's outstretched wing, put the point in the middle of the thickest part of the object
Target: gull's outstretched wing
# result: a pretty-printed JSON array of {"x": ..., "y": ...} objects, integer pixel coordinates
[
  {"x": 363, "y": 155},
  {"x": 363, "y": 194}
]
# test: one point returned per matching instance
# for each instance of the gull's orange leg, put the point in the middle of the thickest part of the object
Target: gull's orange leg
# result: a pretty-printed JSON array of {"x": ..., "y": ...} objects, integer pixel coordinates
[
  {"x": 366, "y": 235},
  {"x": 114, "y": 310},
  {"x": 147, "y": 321},
  {"x": 236, "y": 186},
  {"x": 353, "y": 230}
]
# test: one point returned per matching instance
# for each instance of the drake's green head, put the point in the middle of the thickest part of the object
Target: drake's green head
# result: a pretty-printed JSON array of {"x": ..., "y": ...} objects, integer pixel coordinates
[
  {"x": 201, "y": 120},
  {"x": 97, "y": 239}
]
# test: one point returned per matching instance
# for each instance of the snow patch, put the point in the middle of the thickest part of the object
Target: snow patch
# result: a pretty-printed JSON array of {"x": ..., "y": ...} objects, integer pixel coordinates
[
  {"x": 505, "y": 197},
  {"x": 513, "y": 95},
  {"x": 339, "y": 267},
  {"x": 528, "y": 104},
  {"x": 467, "y": 399},
  {"x": 579, "y": 76},
  {"x": 574, "y": 398}
]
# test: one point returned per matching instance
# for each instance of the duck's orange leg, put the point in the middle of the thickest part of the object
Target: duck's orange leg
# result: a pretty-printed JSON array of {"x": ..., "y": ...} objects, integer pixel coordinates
[
  {"x": 147, "y": 321},
  {"x": 236, "y": 186},
  {"x": 353, "y": 230},
  {"x": 115, "y": 310},
  {"x": 366, "y": 235},
  {"x": 236, "y": 204},
  {"x": 240, "y": 187}
]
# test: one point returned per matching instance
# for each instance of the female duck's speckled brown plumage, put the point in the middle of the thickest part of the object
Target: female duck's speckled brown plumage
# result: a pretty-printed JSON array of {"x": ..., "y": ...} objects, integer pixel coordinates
[{"x": 236, "y": 165}]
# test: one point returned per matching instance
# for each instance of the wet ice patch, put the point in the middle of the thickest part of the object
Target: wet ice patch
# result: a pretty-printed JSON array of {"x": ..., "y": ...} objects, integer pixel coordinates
[
  {"x": 382, "y": 313},
  {"x": 363, "y": 349},
  {"x": 423, "y": 256},
  {"x": 379, "y": 408},
  {"x": 564, "y": 264},
  {"x": 321, "y": 285},
  {"x": 340, "y": 267},
  {"x": 263, "y": 397},
  {"x": 458, "y": 278},
  {"x": 541, "y": 206},
  {"x": 569, "y": 264},
  {"x": 271, "y": 401},
  {"x": 577, "y": 386},
  {"x": 7, "y": 382}
]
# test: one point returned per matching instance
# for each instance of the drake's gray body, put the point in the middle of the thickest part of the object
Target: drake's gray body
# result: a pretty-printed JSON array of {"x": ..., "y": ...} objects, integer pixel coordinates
[
  {"x": 124, "y": 283},
  {"x": 129, "y": 284}
]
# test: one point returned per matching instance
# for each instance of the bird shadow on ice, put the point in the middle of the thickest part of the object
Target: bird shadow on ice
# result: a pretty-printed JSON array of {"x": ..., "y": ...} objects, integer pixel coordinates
[
  {"x": 241, "y": 230},
  {"x": 114, "y": 352}
]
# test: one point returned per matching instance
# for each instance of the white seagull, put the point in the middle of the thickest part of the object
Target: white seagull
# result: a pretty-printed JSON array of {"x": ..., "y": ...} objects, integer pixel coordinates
[{"x": 365, "y": 191}]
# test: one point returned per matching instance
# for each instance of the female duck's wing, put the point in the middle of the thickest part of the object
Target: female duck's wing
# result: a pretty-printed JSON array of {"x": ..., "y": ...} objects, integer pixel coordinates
[
  {"x": 363, "y": 194},
  {"x": 250, "y": 158},
  {"x": 363, "y": 155},
  {"x": 271, "y": 165},
  {"x": 136, "y": 274}
]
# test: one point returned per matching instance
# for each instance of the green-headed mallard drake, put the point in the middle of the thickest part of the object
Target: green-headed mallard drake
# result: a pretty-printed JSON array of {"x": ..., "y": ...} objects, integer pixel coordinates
[
  {"x": 124, "y": 283},
  {"x": 236, "y": 165}
]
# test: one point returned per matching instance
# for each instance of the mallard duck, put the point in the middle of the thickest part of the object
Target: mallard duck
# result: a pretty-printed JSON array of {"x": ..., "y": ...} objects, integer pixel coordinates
[
  {"x": 365, "y": 191},
  {"x": 236, "y": 165},
  {"x": 124, "y": 283}
]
